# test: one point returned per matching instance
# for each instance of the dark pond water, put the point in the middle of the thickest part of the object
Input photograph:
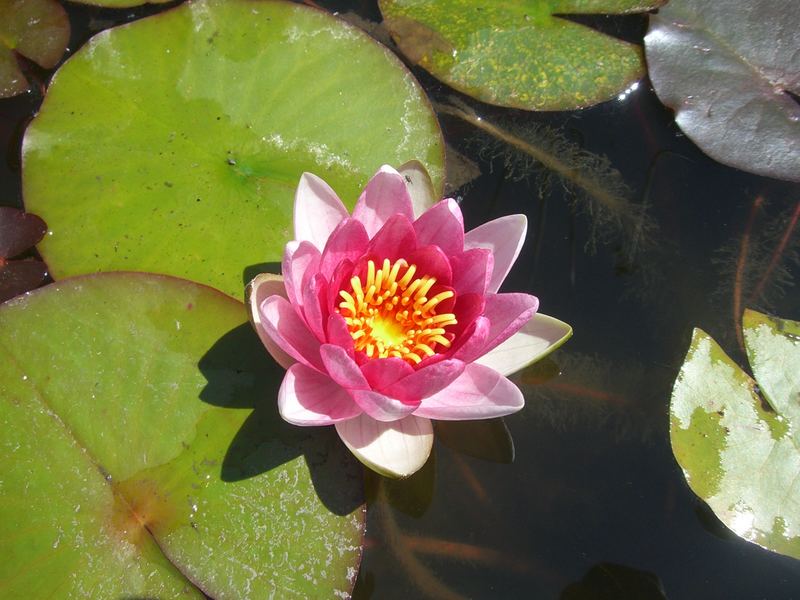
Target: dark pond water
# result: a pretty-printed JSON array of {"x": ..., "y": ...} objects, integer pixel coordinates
[{"x": 594, "y": 491}]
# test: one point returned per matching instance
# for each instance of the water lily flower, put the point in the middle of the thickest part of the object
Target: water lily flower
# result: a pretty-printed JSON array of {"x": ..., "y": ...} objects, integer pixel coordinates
[{"x": 386, "y": 319}]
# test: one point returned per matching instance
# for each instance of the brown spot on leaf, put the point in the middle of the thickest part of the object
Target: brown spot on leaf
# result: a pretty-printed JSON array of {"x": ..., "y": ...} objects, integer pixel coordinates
[
  {"x": 416, "y": 40},
  {"x": 141, "y": 509}
]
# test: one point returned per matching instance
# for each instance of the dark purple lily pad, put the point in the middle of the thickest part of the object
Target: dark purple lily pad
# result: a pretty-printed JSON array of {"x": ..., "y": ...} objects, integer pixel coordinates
[
  {"x": 19, "y": 231},
  {"x": 20, "y": 276}
]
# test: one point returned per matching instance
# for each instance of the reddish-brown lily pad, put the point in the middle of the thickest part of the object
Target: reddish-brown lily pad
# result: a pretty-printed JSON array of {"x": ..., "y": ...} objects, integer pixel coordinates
[
  {"x": 35, "y": 29},
  {"x": 19, "y": 231}
]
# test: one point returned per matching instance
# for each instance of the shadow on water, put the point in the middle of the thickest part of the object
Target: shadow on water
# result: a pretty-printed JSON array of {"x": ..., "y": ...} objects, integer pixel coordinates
[
  {"x": 240, "y": 374},
  {"x": 250, "y": 271}
]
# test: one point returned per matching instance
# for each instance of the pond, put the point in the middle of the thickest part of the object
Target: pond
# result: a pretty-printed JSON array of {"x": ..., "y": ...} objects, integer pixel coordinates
[{"x": 590, "y": 501}]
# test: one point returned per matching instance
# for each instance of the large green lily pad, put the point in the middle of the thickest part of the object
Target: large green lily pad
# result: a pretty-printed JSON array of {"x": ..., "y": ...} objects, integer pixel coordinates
[
  {"x": 737, "y": 441},
  {"x": 174, "y": 144},
  {"x": 518, "y": 54},
  {"x": 135, "y": 466}
]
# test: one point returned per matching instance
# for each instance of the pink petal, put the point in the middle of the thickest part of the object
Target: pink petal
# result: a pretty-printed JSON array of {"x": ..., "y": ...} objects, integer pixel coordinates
[
  {"x": 443, "y": 226},
  {"x": 507, "y": 313},
  {"x": 259, "y": 289},
  {"x": 348, "y": 242},
  {"x": 479, "y": 393},
  {"x": 472, "y": 271},
  {"x": 342, "y": 368},
  {"x": 317, "y": 210},
  {"x": 339, "y": 334},
  {"x": 468, "y": 307},
  {"x": 298, "y": 260},
  {"x": 427, "y": 381},
  {"x": 381, "y": 407},
  {"x": 394, "y": 240},
  {"x": 315, "y": 295},
  {"x": 470, "y": 344},
  {"x": 383, "y": 372},
  {"x": 431, "y": 261},
  {"x": 394, "y": 449},
  {"x": 504, "y": 237},
  {"x": 339, "y": 281},
  {"x": 385, "y": 195},
  {"x": 308, "y": 397},
  {"x": 289, "y": 332}
]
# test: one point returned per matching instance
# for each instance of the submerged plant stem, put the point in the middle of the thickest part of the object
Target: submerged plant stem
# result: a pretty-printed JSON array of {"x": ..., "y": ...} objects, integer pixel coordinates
[
  {"x": 422, "y": 577},
  {"x": 469, "y": 552},
  {"x": 776, "y": 256},
  {"x": 472, "y": 481},
  {"x": 568, "y": 171},
  {"x": 740, "y": 264}
]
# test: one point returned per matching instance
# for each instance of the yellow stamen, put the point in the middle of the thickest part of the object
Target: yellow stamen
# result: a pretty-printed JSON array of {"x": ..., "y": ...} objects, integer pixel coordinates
[{"x": 394, "y": 317}]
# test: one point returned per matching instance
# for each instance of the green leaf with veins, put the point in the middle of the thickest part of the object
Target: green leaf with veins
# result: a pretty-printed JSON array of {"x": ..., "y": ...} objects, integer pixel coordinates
[
  {"x": 174, "y": 144},
  {"x": 135, "y": 464}
]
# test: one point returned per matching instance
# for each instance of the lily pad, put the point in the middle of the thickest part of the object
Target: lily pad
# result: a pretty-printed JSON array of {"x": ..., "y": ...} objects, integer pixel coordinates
[
  {"x": 134, "y": 463},
  {"x": 19, "y": 231},
  {"x": 518, "y": 54},
  {"x": 174, "y": 144},
  {"x": 737, "y": 441},
  {"x": 120, "y": 3},
  {"x": 725, "y": 67},
  {"x": 36, "y": 29}
]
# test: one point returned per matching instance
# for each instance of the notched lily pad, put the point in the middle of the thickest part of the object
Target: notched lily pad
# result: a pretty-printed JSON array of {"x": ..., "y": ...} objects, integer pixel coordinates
[
  {"x": 135, "y": 463},
  {"x": 518, "y": 54},
  {"x": 35, "y": 29},
  {"x": 737, "y": 441},
  {"x": 725, "y": 67},
  {"x": 180, "y": 138},
  {"x": 19, "y": 231}
]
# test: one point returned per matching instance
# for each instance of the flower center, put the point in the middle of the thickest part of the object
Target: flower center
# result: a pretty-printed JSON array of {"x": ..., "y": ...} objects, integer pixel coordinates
[{"x": 390, "y": 314}]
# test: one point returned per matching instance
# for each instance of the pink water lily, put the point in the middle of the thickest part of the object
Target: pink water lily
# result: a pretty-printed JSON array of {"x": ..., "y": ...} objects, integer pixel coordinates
[{"x": 385, "y": 319}]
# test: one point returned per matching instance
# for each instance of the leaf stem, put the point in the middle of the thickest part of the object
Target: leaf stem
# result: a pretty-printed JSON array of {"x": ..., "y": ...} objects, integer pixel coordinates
[
  {"x": 548, "y": 160},
  {"x": 739, "y": 276}
]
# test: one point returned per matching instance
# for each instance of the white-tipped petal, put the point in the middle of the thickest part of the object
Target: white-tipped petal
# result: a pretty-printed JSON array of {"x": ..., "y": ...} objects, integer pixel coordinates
[
  {"x": 259, "y": 289},
  {"x": 537, "y": 338},
  {"x": 308, "y": 397},
  {"x": 395, "y": 449},
  {"x": 419, "y": 185},
  {"x": 504, "y": 237},
  {"x": 478, "y": 393},
  {"x": 317, "y": 210}
]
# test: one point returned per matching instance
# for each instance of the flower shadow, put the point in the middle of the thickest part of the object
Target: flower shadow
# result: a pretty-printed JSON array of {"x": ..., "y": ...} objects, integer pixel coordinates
[
  {"x": 241, "y": 375},
  {"x": 250, "y": 271}
]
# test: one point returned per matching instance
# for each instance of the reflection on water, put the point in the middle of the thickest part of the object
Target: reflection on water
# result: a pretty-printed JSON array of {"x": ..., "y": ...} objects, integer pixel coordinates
[
  {"x": 593, "y": 484},
  {"x": 594, "y": 480}
]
